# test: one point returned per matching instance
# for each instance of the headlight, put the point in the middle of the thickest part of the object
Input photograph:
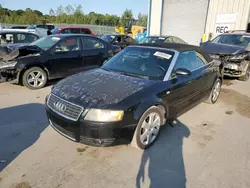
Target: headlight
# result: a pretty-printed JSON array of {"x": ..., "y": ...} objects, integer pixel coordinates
[
  {"x": 239, "y": 57},
  {"x": 9, "y": 64},
  {"x": 12, "y": 63},
  {"x": 104, "y": 115}
]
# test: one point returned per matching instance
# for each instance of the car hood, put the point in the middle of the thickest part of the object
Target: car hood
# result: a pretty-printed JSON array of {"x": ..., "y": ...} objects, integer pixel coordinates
[
  {"x": 221, "y": 49},
  {"x": 98, "y": 88},
  {"x": 14, "y": 46},
  {"x": 7, "y": 54}
]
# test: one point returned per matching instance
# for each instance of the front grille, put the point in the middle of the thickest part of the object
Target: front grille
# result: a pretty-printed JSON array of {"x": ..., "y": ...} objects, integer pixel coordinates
[
  {"x": 63, "y": 131},
  {"x": 96, "y": 142},
  {"x": 64, "y": 108}
]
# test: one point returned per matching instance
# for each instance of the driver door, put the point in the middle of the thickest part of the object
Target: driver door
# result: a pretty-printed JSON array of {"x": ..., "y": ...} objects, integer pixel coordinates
[
  {"x": 184, "y": 89},
  {"x": 66, "y": 58}
]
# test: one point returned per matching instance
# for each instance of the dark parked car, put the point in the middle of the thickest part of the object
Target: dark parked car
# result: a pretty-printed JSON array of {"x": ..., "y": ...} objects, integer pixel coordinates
[
  {"x": 133, "y": 94},
  {"x": 162, "y": 39},
  {"x": 233, "y": 49},
  {"x": 56, "y": 56},
  {"x": 14, "y": 39},
  {"x": 74, "y": 30},
  {"x": 121, "y": 40}
]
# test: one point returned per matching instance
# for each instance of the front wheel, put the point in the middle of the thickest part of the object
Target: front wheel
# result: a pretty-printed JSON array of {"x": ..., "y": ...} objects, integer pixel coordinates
[
  {"x": 215, "y": 93},
  {"x": 34, "y": 78},
  {"x": 148, "y": 128}
]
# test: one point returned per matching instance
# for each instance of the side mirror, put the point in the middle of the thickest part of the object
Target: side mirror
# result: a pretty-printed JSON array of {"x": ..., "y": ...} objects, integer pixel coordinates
[
  {"x": 56, "y": 49},
  {"x": 182, "y": 72}
]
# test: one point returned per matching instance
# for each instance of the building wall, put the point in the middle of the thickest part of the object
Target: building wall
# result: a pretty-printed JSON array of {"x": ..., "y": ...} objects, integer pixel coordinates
[
  {"x": 237, "y": 16},
  {"x": 185, "y": 19},
  {"x": 155, "y": 17}
]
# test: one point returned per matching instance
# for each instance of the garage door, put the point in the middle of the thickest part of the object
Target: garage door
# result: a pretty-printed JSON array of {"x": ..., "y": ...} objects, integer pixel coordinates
[{"x": 185, "y": 19}]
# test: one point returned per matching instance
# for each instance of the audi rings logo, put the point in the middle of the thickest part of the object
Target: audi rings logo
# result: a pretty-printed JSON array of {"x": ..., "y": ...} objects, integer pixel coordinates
[{"x": 59, "y": 106}]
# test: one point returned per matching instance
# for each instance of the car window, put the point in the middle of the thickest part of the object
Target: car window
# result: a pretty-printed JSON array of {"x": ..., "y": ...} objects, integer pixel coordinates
[
  {"x": 85, "y": 31},
  {"x": 188, "y": 60},
  {"x": 178, "y": 40},
  {"x": 201, "y": 58},
  {"x": 75, "y": 30},
  {"x": 6, "y": 38},
  {"x": 67, "y": 45},
  {"x": 238, "y": 40},
  {"x": 146, "y": 62},
  {"x": 24, "y": 38},
  {"x": 91, "y": 43},
  {"x": 128, "y": 39},
  {"x": 153, "y": 40},
  {"x": 66, "y": 31},
  {"x": 118, "y": 39},
  {"x": 46, "y": 43},
  {"x": 51, "y": 27},
  {"x": 169, "y": 40}
]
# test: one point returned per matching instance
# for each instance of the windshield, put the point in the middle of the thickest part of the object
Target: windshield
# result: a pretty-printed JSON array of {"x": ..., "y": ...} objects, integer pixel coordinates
[
  {"x": 46, "y": 43},
  {"x": 107, "y": 38},
  {"x": 237, "y": 40},
  {"x": 152, "y": 40},
  {"x": 142, "y": 62}
]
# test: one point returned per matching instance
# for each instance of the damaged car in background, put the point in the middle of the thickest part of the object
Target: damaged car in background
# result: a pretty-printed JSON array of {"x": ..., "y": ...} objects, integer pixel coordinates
[
  {"x": 54, "y": 56},
  {"x": 233, "y": 50}
]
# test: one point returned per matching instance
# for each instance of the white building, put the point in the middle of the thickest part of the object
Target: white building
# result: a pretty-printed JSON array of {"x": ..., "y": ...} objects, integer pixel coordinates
[{"x": 194, "y": 20}]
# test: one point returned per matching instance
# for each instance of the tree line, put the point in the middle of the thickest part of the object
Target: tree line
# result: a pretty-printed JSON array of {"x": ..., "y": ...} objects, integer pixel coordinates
[{"x": 68, "y": 14}]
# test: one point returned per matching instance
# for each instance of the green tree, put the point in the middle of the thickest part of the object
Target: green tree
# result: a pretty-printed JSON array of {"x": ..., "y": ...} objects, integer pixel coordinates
[
  {"x": 68, "y": 14},
  {"x": 127, "y": 15},
  {"x": 142, "y": 19}
]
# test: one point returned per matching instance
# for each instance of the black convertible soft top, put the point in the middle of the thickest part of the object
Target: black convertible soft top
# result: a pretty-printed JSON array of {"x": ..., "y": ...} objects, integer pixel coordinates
[{"x": 179, "y": 48}]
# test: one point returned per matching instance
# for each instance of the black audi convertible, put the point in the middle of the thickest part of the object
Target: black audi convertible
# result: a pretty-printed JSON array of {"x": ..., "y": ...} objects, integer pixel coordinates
[{"x": 133, "y": 94}]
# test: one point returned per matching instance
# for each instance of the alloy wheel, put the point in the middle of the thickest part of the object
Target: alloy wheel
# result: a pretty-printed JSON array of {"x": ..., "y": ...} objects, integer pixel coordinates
[
  {"x": 216, "y": 91},
  {"x": 35, "y": 79},
  {"x": 150, "y": 128}
]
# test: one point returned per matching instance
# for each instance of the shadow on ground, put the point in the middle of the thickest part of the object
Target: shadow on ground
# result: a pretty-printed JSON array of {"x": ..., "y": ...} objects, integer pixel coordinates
[
  {"x": 163, "y": 163},
  {"x": 239, "y": 101},
  {"x": 20, "y": 127}
]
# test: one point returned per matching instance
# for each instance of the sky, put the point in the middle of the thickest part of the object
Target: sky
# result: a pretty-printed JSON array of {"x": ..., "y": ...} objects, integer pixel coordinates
[{"x": 99, "y": 6}]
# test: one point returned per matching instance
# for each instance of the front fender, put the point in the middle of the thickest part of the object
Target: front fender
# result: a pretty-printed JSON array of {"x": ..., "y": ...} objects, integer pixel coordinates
[
  {"x": 23, "y": 67},
  {"x": 146, "y": 104}
]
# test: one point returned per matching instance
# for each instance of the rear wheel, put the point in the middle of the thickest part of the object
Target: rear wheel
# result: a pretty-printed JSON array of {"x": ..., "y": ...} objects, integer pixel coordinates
[
  {"x": 34, "y": 78},
  {"x": 215, "y": 92},
  {"x": 148, "y": 128}
]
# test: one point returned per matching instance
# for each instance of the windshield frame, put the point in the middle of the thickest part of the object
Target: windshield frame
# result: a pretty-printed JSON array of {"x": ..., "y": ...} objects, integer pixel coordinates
[
  {"x": 167, "y": 75},
  {"x": 50, "y": 36}
]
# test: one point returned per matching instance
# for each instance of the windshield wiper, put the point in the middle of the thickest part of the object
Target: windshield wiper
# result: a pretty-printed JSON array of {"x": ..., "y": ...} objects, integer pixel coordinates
[
  {"x": 105, "y": 69},
  {"x": 135, "y": 75}
]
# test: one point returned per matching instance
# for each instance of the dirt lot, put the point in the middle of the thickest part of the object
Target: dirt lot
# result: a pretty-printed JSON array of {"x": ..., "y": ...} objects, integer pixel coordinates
[{"x": 208, "y": 147}]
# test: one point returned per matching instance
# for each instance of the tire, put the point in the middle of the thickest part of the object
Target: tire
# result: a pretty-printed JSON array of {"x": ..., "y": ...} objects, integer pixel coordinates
[
  {"x": 31, "y": 80},
  {"x": 246, "y": 76},
  {"x": 142, "y": 127},
  {"x": 215, "y": 91}
]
